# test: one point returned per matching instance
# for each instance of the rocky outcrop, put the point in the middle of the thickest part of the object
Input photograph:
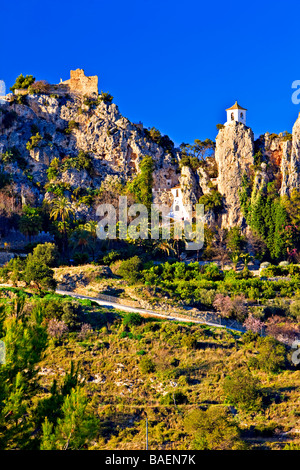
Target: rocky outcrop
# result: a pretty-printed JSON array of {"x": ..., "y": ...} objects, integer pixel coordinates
[
  {"x": 69, "y": 124},
  {"x": 234, "y": 157},
  {"x": 290, "y": 163},
  {"x": 189, "y": 186},
  {"x": 260, "y": 182},
  {"x": 205, "y": 182}
]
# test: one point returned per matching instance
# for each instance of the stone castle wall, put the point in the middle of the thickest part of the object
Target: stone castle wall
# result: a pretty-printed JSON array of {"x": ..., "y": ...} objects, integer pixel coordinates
[{"x": 80, "y": 83}]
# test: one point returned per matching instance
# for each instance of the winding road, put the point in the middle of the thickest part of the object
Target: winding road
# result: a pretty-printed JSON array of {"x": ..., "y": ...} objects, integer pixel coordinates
[{"x": 143, "y": 311}]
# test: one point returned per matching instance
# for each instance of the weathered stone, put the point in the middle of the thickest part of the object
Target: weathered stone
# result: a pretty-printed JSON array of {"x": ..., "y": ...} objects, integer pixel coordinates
[
  {"x": 234, "y": 157},
  {"x": 290, "y": 163},
  {"x": 80, "y": 83}
]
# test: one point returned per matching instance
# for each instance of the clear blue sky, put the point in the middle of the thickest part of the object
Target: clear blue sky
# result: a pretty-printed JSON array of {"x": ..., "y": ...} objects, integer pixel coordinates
[{"x": 172, "y": 64}]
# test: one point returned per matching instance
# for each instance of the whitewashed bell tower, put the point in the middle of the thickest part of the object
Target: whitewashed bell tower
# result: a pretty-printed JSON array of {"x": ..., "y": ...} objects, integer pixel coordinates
[{"x": 236, "y": 113}]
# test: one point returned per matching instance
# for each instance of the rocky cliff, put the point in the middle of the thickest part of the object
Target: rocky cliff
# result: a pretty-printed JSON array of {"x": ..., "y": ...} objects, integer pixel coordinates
[
  {"x": 72, "y": 126},
  {"x": 85, "y": 140},
  {"x": 234, "y": 157}
]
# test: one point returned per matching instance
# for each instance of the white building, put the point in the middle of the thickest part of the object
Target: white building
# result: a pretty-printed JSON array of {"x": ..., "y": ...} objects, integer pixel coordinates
[
  {"x": 178, "y": 210},
  {"x": 236, "y": 113}
]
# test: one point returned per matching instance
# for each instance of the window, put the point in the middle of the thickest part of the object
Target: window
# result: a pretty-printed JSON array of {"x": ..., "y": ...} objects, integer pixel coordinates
[
  {"x": 177, "y": 208},
  {"x": 242, "y": 115},
  {"x": 232, "y": 116}
]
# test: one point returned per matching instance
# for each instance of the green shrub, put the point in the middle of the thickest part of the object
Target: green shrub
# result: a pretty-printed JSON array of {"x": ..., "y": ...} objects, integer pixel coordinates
[
  {"x": 146, "y": 365},
  {"x": 22, "y": 82},
  {"x": 131, "y": 269},
  {"x": 213, "y": 429},
  {"x": 111, "y": 256},
  {"x": 241, "y": 390},
  {"x": 71, "y": 126},
  {"x": 212, "y": 201},
  {"x": 295, "y": 308},
  {"x": 272, "y": 355},
  {"x": 132, "y": 319},
  {"x": 174, "y": 398},
  {"x": 141, "y": 352},
  {"x": 34, "y": 141},
  {"x": 189, "y": 342},
  {"x": 81, "y": 258}
]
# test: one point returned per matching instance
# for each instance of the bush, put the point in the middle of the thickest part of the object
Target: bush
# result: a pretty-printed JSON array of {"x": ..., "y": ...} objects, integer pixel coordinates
[
  {"x": 147, "y": 366},
  {"x": 241, "y": 390},
  {"x": 131, "y": 269},
  {"x": 132, "y": 319},
  {"x": 212, "y": 272},
  {"x": 212, "y": 201},
  {"x": 34, "y": 141},
  {"x": 189, "y": 342},
  {"x": 81, "y": 258},
  {"x": 71, "y": 126},
  {"x": 40, "y": 87},
  {"x": 111, "y": 256},
  {"x": 174, "y": 398},
  {"x": 213, "y": 429},
  {"x": 71, "y": 315},
  {"x": 295, "y": 308},
  {"x": 272, "y": 355},
  {"x": 46, "y": 253},
  {"x": 22, "y": 82}
]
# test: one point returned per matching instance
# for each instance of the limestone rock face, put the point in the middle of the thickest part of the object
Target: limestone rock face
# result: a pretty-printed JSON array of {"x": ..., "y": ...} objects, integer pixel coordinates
[
  {"x": 290, "y": 163},
  {"x": 234, "y": 157},
  {"x": 189, "y": 186},
  {"x": 116, "y": 146},
  {"x": 204, "y": 181}
]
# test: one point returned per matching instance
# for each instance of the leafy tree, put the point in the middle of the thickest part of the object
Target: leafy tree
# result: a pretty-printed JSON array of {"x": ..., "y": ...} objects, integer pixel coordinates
[
  {"x": 241, "y": 390},
  {"x": 39, "y": 273},
  {"x": 46, "y": 253},
  {"x": 141, "y": 186},
  {"x": 213, "y": 429},
  {"x": 30, "y": 221},
  {"x": 235, "y": 240},
  {"x": 272, "y": 355},
  {"x": 132, "y": 319},
  {"x": 130, "y": 269},
  {"x": 292, "y": 206},
  {"x": 22, "y": 82},
  {"x": 194, "y": 154}
]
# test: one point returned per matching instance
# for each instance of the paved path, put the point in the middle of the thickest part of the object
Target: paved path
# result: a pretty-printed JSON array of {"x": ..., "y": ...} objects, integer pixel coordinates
[{"x": 142, "y": 311}]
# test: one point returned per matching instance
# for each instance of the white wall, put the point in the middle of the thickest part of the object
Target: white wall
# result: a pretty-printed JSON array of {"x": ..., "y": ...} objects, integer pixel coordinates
[{"x": 237, "y": 115}]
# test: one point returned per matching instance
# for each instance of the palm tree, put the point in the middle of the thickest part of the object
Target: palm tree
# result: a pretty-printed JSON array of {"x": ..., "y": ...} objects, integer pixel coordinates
[
  {"x": 80, "y": 238},
  {"x": 246, "y": 260},
  {"x": 62, "y": 209},
  {"x": 91, "y": 228},
  {"x": 165, "y": 247},
  {"x": 235, "y": 257}
]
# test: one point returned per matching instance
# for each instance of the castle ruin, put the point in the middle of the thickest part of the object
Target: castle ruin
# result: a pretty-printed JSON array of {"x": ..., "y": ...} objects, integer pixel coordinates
[{"x": 80, "y": 83}]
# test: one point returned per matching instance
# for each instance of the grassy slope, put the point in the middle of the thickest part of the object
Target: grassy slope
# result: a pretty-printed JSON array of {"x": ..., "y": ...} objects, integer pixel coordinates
[{"x": 120, "y": 392}]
